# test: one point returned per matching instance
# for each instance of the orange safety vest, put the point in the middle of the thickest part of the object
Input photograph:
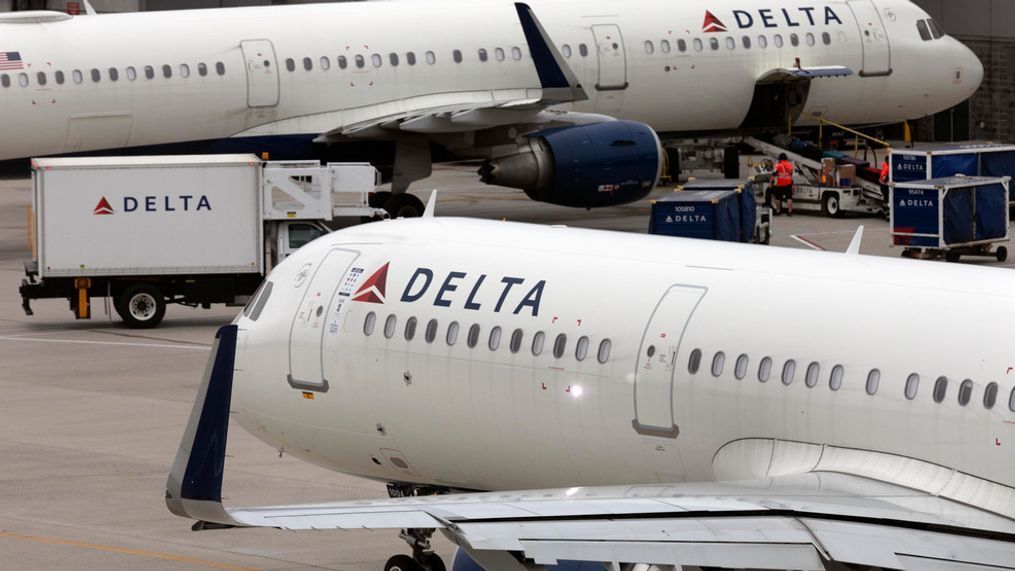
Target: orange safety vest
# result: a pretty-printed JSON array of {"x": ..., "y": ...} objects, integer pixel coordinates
[
  {"x": 884, "y": 172},
  {"x": 784, "y": 174}
]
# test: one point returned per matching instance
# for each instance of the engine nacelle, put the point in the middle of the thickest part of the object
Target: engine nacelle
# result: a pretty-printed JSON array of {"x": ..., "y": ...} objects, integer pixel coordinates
[{"x": 587, "y": 166}]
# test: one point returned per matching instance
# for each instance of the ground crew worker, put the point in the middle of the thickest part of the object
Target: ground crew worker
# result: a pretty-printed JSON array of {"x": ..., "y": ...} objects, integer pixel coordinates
[
  {"x": 783, "y": 185},
  {"x": 885, "y": 172}
]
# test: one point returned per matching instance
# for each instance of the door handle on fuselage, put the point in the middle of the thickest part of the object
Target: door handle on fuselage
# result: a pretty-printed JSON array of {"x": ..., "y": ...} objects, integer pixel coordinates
[{"x": 321, "y": 387}]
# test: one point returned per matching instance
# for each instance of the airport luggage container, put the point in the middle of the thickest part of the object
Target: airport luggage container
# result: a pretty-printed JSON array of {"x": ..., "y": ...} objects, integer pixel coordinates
[
  {"x": 142, "y": 232},
  {"x": 951, "y": 217},
  {"x": 724, "y": 210},
  {"x": 941, "y": 161}
]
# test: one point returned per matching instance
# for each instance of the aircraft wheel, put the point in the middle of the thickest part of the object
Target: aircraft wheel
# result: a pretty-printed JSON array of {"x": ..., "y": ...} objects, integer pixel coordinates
[
  {"x": 952, "y": 256},
  {"x": 403, "y": 563},
  {"x": 141, "y": 306},
  {"x": 404, "y": 205},
  {"x": 377, "y": 199},
  {"x": 1002, "y": 254},
  {"x": 830, "y": 205}
]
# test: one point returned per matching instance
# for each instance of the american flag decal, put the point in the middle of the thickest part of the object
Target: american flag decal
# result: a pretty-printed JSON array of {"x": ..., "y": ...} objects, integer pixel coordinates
[{"x": 11, "y": 60}]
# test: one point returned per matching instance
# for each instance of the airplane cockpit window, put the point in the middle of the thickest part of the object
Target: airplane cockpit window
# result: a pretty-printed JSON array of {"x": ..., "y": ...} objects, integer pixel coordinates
[
  {"x": 376, "y": 60},
  {"x": 789, "y": 372},
  {"x": 59, "y": 77},
  {"x": 498, "y": 54},
  {"x": 77, "y": 76},
  {"x": 131, "y": 73},
  {"x": 410, "y": 328},
  {"x": 664, "y": 46},
  {"x": 472, "y": 339},
  {"x": 390, "y": 324},
  {"x": 604, "y": 351},
  {"x": 718, "y": 362},
  {"x": 494, "y": 341},
  {"x": 202, "y": 69},
  {"x": 342, "y": 62},
  {"x": 940, "y": 389},
  {"x": 537, "y": 343},
  {"x": 483, "y": 55},
  {"x": 649, "y": 47},
  {"x": 583, "y": 50},
  {"x": 167, "y": 71},
  {"x": 912, "y": 386},
  {"x": 835, "y": 380},
  {"x": 96, "y": 75},
  {"x": 261, "y": 300},
  {"x": 220, "y": 68},
  {"x": 990, "y": 396},
  {"x": 368, "y": 324},
  {"x": 559, "y": 346},
  {"x": 565, "y": 50},
  {"x": 325, "y": 63},
  {"x": 516, "y": 340},
  {"x": 308, "y": 64},
  {"x": 581, "y": 350},
  {"x": 290, "y": 64},
  {"x": 765, "y": 369},
  {"x": 360, "y": 61},
  {"x": 452, "y": 335},
  {"x": 924, "y": 30},
  {"x": 457, "y": 56},
  {"x": 114, "y": 74},
  {"x": 431, "y": 58},
  {"x": 811, "y": 378},
  {"x": 965, "y": 392},
  {"x": 431, "y": 331},
  {"x": 873, "y": 381},
  {"x": 5, "y": 80},
  {"x": 41, "y": 78},
  {"x": 694, "y": 362},
  {"x": 935, "y": 29},
  {"x": 149, "y": 72},
  {"x": 410, "y": 58},
  {"x": 393, "y": 58},
  {"x": 23, "y": 79}
]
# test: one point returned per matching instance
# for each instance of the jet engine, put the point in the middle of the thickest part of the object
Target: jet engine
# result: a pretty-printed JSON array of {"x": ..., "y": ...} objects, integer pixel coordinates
[{"x": 587, "y": 166}]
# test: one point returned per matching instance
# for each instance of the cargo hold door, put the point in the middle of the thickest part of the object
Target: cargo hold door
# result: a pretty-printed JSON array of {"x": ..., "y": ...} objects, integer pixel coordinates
[
  {"x": 306, "y": 336},
  {"x": 262, "y": 73},
  {"x": 661, "y": 351},
  {"x": 877, "y": 52},
  {"x": 611, "y": 57}
]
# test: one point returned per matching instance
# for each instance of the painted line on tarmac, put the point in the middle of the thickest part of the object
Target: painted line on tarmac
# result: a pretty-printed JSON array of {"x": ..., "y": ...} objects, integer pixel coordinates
[
  {"x": 121, "y": 550},
  {"x": 153, "y": 345},
  {"x": 807, "y": 242}
]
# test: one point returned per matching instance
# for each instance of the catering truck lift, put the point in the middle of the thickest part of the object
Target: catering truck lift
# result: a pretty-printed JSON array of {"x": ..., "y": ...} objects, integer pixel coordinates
[{"x": 142, "y": 232}]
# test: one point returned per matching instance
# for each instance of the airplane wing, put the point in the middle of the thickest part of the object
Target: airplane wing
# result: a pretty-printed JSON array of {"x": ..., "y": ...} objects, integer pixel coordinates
[
  {"x": 462, "y": 111},
  {"x": 794, "y": 521}
]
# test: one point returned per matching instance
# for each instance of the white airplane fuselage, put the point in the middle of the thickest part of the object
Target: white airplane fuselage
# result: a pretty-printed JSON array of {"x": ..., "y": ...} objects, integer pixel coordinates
[
  {"x": 326, "y": 372},
  {"x": 169, "y": 88}
]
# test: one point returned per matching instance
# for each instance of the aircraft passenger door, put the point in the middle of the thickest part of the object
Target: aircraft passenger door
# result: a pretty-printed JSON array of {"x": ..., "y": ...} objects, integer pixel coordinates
[
  {"x": 611, "y": 57},
  {"x": 877, "y": 50},
  {"x": 659, "y": 359},
  {"x": 262, "y": 73},
  {"x": 306, "y": 336}
]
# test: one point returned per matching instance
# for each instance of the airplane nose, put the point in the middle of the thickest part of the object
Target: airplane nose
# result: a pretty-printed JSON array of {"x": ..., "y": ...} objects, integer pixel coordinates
[{"x": 975, "y": 67}]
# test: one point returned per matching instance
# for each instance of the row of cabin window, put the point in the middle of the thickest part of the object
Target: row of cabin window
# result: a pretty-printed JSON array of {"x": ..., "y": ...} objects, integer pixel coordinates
[
  {"x": 731, "y": 43},
  {"x": 581, "y": 350},
  {"x": 130, "y": 72},
  {"x": 377, "y": 60},
  {"x": 813, "y": 373}
]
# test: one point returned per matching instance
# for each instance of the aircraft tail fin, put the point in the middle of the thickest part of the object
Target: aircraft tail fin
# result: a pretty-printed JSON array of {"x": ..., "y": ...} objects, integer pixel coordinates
[
  {"x": 194, "y": 487},
  {"x": 559, "y": 83}
]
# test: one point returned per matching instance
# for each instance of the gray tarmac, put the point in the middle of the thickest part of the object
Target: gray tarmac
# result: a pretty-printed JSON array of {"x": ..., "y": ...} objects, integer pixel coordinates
[{"x": 91, "y": 414}]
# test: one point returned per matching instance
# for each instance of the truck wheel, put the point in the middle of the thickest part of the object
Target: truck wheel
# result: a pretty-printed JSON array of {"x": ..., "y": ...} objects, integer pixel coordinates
[
  {"x": 952, "y": 256},
  {"x": 377, "y": 199},
  {"x": 1002, "y": 254},
  {"x": 141, "y": 306},
  {"x": 830, "y": 205},
  {"x": 404, "y": 205}
]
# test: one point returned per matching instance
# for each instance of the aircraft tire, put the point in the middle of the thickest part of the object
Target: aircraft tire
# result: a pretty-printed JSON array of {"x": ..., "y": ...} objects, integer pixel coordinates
[
  {"x": 377, "y": 199},
  {"x": 402, "y": 563},
  {"x": 404, "y": 205},
  {"x": 141, "y": 306}
]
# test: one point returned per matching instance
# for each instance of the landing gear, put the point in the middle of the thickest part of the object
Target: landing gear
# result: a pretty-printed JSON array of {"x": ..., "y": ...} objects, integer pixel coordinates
[
  {"x": 404, "y": 205},
  {"x": 422, "y": 559}
]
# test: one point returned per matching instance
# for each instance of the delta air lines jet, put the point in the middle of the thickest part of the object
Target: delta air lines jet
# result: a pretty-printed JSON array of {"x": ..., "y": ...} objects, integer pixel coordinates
[
  {"x": 626, "y": 399},
  {"x": 418, "y": 81}
]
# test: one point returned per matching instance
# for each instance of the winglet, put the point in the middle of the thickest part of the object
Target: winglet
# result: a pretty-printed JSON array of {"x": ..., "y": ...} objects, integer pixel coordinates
[
  {"x": 431, "y": 205},
  {"x": 194, "y": 487},
  {"x": 854, "y": 246},
  {"x": 556, "y": 78},
  {"x": 89, "y": 11}
]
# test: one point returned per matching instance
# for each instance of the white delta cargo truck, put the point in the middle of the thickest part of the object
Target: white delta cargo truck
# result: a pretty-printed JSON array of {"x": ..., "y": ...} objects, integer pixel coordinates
[{"x": 142, "y": 232}]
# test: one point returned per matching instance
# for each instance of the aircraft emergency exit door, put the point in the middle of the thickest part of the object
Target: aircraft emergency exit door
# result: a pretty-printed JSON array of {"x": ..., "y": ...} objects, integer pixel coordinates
[{"x": 262, "y": 73}]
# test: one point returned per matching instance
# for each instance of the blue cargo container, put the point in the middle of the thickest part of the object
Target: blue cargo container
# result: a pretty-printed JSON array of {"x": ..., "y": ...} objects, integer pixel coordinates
[
  {"x": 953, "y": 216},
  {"x": 750, "y": 222},
  {"x": 707, "y": 214},
  {"x": 941, "y": 161}
]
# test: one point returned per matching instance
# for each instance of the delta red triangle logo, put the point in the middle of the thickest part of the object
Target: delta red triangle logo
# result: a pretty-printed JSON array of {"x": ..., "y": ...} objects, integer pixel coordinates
[
  {"x": 712, "y": 24},
  {"x": 372, "y": 290},
  {"x": 103, "y": 207}
]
